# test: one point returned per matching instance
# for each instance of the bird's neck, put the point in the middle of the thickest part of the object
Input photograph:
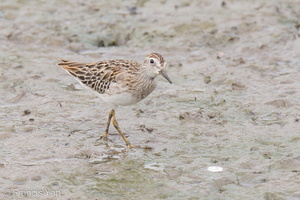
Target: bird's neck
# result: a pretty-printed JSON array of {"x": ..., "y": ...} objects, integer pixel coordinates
[{"x": 145, "y": 84}]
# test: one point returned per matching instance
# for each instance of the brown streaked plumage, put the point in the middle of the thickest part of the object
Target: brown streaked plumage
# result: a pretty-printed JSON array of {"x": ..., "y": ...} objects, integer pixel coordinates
[
  {"x": 119, "y": 82},
  {"x": 97, "y": 76}
]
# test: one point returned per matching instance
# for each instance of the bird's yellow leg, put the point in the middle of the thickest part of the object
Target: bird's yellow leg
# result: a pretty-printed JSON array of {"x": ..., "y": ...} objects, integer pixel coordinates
[
  {"x": 116, "y": 125},
  {"x": 105, "y": 135}
]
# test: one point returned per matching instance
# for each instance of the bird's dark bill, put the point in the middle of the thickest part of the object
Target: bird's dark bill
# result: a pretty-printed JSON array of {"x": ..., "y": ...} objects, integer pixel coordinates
[{"x": 165, "y": 75}]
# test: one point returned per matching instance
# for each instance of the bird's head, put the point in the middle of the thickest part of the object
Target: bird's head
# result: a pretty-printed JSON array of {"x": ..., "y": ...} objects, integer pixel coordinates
[{"x": 155, "y": 65}]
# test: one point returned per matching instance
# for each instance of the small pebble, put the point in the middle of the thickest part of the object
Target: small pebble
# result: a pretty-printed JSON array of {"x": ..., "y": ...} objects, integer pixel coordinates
[{"x": 26, "y": 112}]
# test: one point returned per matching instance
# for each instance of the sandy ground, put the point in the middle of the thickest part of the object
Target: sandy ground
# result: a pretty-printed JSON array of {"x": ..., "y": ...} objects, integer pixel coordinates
[{"x": 234, "y": 102}]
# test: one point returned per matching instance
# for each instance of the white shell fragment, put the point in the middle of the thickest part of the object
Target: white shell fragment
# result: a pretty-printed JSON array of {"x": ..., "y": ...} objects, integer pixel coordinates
[{"x": 215, "y": 169}]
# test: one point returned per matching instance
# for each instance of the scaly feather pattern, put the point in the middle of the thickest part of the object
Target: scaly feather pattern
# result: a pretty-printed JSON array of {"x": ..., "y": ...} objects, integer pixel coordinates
[{"x": 99, "y": 75}]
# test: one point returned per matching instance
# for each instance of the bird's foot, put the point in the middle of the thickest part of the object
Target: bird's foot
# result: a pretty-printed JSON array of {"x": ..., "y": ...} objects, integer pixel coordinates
[
  {"x": 104, "y": 138},
  {"x": 129, "y": 145}
]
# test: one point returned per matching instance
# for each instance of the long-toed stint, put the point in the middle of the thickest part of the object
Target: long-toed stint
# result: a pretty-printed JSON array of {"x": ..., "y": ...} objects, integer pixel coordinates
[{"x": 119, "y": 82}]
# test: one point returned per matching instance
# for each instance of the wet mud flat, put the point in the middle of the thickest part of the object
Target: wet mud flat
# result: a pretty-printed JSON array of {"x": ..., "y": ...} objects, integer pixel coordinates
[{"x": 234, "y": 104}]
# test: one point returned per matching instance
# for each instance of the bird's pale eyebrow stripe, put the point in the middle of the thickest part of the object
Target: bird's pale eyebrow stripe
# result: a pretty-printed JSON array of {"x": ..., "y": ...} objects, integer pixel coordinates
[{"x": 157, "y": 56}]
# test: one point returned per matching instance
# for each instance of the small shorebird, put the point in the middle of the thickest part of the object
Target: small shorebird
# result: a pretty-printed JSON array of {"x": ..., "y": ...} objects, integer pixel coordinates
[{"x": 119, "y": 82}]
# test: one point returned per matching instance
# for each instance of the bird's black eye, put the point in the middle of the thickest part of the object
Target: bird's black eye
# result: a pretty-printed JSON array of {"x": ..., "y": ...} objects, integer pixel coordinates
[{"x": 151, "y": 61}]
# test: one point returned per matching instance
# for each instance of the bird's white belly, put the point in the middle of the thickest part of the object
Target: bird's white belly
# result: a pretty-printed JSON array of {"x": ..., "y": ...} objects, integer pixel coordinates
[
  {"x": 111, "y": 97},
  {"x": 121, "y": 99}
]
